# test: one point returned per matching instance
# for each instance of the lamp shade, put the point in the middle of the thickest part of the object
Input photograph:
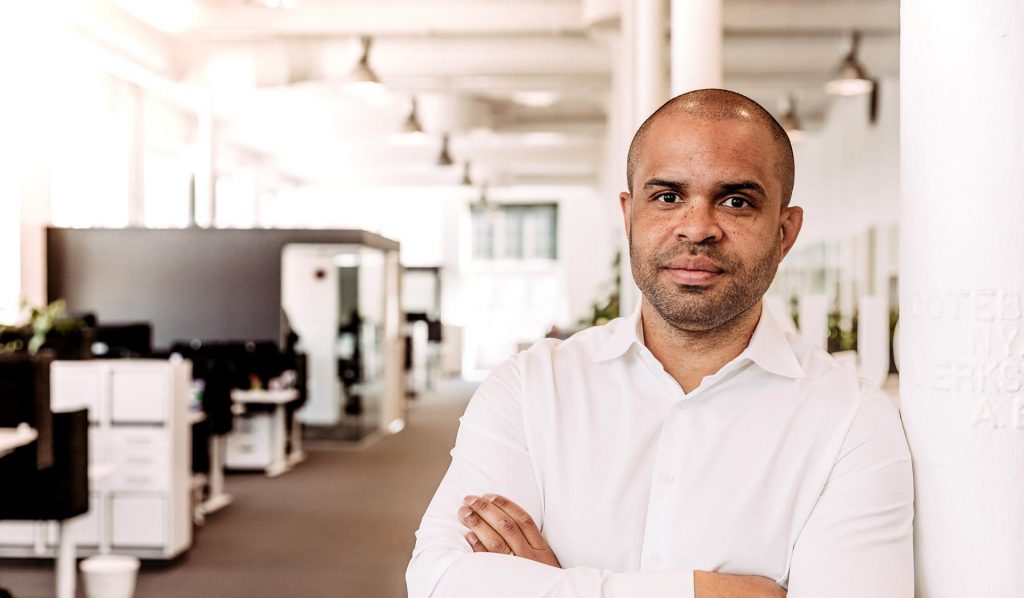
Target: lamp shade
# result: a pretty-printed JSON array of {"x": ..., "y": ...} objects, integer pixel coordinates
[
  {"x": 444, "y": 158},
  {"x": 850, "y": 78},
  {"x": 362, "y": 73},
  {"x": 412, "y": 123}
]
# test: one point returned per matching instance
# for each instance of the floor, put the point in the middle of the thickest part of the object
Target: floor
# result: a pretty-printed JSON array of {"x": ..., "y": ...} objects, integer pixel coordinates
[{"x": 339, "y": 525}]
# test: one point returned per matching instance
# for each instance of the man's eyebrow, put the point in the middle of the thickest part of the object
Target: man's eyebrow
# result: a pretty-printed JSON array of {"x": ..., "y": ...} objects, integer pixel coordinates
[
  {"x": 743, "y": 186},
  {"x": 677, "y": 186}
]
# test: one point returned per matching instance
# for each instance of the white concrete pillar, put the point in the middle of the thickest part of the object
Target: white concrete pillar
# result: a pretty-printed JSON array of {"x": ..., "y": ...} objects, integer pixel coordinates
[
  {"x": 696, "y": 45},
  {"x": 641, "y": 81},
  {"x": 204, "y": 194},
  {"x": 962, "y": 291},
  {"x": 873, "y": 338},
  {"x": 35, "y": 217},
  {"x": 137, "y": 157},
  {"x": 650, "y": 56},
  {"x": 813, "y": 311}
]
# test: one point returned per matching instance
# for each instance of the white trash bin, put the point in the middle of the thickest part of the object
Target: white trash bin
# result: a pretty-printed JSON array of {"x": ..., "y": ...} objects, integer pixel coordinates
[{"x": 109, "y": 576}]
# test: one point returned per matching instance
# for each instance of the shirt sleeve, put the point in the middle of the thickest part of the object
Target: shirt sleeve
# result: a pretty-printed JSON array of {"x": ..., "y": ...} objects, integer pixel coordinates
[
  {"x": 858, "y": 540},
  {"x": 491, "y": 455}
]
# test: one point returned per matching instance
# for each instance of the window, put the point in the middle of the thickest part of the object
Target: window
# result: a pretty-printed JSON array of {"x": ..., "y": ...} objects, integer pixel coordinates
[{"x": 515, "y": 231}]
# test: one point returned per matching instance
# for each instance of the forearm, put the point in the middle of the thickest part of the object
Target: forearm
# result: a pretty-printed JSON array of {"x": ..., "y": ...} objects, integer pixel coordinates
[
  {"x": 707, "y": 584},
  {"x": 439, "y": 573}
]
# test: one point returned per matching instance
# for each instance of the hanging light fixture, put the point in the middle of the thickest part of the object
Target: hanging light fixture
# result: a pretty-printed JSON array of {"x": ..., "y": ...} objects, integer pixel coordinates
[
  {"x": 362, "y": 77},
  {"x": 412, "y": 124},
  {"x": 790, "y": 121},
  {"x": 467, "y": 180},
  {"x": 482, "y": 203},
  {"x": 445, "y": 157},
  {"x": 851, "y": 77}
]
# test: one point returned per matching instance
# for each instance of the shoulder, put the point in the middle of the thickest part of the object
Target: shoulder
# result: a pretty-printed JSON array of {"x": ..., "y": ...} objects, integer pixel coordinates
[
  {"x": 833, "y": 383},
  {"x": 529, "y": 375},
  {"x": 544, "y": 355},
  {"x": 824, "y": 372},
  {"x": 583, "y": 345}
]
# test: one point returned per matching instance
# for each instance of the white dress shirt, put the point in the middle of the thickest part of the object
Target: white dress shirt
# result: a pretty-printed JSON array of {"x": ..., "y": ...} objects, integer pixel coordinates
[{"x": 783, "y": 464}]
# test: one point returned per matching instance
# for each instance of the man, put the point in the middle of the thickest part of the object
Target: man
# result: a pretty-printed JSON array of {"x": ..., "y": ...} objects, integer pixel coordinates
[{"x": 691, "y": 449}]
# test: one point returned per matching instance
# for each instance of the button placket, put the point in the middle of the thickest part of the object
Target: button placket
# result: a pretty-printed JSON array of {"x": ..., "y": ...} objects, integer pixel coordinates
[{"x": 661, "y": 500}]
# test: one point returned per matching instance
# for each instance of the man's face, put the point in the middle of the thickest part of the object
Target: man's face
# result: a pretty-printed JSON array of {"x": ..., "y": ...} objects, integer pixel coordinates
[{"x": 705, "y": 221}]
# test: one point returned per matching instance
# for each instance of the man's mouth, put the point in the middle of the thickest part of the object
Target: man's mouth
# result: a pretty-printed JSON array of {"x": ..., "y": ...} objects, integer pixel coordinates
[{"x": 692, "y": 270}]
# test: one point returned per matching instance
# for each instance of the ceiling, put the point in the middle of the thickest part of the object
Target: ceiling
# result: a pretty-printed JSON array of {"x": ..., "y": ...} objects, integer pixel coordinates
[{"x": 522, "y": 85}]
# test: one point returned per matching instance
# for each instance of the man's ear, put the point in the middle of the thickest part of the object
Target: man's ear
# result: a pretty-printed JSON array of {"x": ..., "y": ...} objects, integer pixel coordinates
[
  {"x": 790, "y": 223},
  {"x": 626, "y": 203}
]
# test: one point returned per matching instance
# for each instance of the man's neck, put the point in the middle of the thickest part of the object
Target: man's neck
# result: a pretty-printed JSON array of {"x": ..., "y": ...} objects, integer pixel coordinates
[{"x": 689, "y": 356}]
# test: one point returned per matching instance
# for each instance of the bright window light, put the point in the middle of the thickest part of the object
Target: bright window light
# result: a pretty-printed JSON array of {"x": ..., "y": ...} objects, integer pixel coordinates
[
  {"x": 235, "y": 202},
  {"x": 167, "y": 182}
]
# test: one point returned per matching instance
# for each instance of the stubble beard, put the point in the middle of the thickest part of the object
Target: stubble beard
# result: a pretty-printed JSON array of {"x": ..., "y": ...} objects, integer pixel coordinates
[{"x": 701, "y": 308}]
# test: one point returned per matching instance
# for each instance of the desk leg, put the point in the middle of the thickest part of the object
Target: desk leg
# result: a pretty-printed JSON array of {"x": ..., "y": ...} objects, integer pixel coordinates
[
  {"x": 296, "y": 454},
  {"x": 218, "y": 498},
  {"x": 278, "y": 431},
  {"x": 65, "y": 560}
]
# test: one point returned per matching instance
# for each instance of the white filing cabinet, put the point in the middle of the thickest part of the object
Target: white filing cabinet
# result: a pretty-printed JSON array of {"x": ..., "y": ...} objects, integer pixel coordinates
[{"x": 139, "y": 431}]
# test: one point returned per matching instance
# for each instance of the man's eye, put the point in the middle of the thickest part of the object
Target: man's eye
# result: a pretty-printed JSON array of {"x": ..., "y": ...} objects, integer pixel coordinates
[
  {"x": 668, "y": 197},
  {"x": 737, "y": 202}
]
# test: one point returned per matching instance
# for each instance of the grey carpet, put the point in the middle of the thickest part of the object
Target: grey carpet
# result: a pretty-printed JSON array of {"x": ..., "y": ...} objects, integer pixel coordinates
[{"x": 339, "y": 525}]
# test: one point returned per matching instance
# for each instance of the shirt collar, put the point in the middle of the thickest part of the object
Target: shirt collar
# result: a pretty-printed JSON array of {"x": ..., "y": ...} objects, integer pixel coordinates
[
  {"x": 768, "y": 348},
  {"x": 625, "y": 333}
]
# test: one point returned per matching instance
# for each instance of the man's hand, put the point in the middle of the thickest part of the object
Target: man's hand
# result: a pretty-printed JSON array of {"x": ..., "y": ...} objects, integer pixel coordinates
[
  {"x": 721, "y": 585},
  {"x": 498, "y": 525}
]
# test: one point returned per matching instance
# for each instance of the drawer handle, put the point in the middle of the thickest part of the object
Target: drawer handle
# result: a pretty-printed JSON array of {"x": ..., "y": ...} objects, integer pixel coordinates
[{"x": 134, "y": 479}]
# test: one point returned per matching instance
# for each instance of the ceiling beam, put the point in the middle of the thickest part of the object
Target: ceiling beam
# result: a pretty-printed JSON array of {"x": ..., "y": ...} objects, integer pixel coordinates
[
  {"x": 803, "y": 16},
  {"x": 351, "y": 18}
]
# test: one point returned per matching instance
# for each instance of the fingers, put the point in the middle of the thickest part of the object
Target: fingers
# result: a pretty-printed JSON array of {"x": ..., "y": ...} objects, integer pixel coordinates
[
  {"x": 522, "y": 519},
  {"x": 497, "y": 522},
  {"x": 482, "y": 536},
  {"x": 500, "y": 526},
  {"x": 475, "y": 543}
]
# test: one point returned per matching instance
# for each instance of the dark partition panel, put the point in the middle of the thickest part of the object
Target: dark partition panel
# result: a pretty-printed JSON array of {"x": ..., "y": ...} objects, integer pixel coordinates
[{"x": 190, "y": 283}]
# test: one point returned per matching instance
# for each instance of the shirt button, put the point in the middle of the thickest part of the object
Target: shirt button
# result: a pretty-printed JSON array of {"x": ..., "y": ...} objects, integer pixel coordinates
[
  {"x": 655, "y": 559},
  {"x": 683, "y": 404},
  {"x": 668, "y": 478}
]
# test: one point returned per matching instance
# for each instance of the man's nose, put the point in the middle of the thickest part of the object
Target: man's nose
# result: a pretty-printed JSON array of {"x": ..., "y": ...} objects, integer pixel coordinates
[{"x": 697, "y": 223}]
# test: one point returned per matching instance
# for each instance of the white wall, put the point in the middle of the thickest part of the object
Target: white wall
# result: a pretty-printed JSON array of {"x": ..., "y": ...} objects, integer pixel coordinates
[{"x": 847, "y": 181}]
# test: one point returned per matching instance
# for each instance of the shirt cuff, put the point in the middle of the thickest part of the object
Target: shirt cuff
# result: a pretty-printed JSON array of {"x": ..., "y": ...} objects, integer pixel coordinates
[{"x": 653, "y": 584}]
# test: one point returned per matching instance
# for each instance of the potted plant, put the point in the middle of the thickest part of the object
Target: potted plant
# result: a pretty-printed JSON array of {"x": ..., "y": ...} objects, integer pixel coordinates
[{"x": 48, "y": 327}]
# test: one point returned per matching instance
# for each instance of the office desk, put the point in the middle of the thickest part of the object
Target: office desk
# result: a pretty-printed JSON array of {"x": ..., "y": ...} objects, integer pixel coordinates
[
  {"x": 217, "y": 498},
  {"x": 12, "y": 438},
  {"x": 64, "y": 564},
  {"x": 280, "y": 460}
]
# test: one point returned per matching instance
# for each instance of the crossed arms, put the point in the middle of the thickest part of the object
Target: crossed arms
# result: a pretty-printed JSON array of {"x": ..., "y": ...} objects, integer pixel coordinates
[
  {"x": 856, "y": 543},
  {"x": 499, "y": 526}
]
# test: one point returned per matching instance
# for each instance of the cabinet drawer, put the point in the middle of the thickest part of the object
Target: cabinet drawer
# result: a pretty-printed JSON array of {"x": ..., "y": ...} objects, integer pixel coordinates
[
  {"x": 74, "y": 385},
  {"x": 140, "y": 470},
  {"x": 17, "y": 533},
  {"x": 136, "y": 437},
  {"x": 138, "y": 520},
  {"x": 140, "y": 396},
  {"x": 249, "y": 443}
]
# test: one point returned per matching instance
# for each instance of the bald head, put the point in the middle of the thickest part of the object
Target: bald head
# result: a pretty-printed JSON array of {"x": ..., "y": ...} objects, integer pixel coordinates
[{"x": 717, "y": 105}]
